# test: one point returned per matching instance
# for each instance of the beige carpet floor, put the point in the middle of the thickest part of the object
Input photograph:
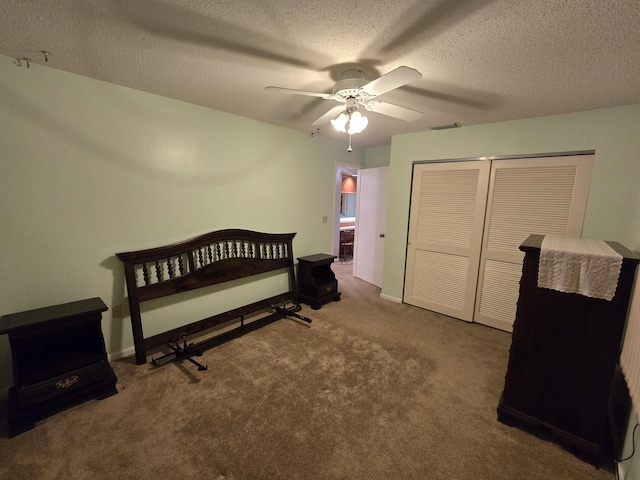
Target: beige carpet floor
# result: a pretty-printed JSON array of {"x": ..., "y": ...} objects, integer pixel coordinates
[{"x": 372, "y": 389}]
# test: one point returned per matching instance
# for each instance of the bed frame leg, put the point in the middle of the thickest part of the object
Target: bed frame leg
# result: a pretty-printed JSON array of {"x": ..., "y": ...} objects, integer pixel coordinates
[
  {"x": 185, "y": 351},
  {"x": 291, "y": 311}
]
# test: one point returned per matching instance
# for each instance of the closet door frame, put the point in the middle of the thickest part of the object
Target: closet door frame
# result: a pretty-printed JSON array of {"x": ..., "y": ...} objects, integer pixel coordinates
[{"x": 410, "y": 257}]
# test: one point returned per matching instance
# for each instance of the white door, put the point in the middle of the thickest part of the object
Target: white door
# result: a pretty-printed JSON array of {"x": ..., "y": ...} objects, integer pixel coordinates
[
  {"x": 468, "y": 220},
  {"x": 547, "y": 196},
  {"x": 371, "y": 218},
  {"x": 445, "y": 232}
]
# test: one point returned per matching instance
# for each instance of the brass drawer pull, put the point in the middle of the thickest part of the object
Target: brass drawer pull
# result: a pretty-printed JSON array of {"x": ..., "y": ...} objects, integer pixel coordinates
[{"x": 67, "y": 382}]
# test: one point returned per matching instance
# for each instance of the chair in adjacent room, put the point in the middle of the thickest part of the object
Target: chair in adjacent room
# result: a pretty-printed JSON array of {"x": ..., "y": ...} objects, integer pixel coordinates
[{"x": 346, "y": 245}]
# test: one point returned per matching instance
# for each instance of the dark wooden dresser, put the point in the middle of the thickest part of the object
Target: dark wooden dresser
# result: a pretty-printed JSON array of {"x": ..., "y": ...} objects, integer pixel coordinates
[
  {"x": 59, "y": 359},
  {"x": 564, "y": 352},
  {"x": 317, "y": 283}
]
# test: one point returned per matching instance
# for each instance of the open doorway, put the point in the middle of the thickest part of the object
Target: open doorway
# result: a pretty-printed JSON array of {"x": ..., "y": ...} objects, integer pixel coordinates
[
  {"x": 345, "y": 218},
  {"x": 366, "y": 255}
]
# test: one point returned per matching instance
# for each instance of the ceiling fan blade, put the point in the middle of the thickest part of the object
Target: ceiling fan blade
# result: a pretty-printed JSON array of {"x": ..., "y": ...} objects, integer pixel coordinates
[
  {"x": 394, "y": 111},
  {"x": 329, "y": 115},
  {"x": 394, "y": 79},
  {"x": 326, "y": 96}
]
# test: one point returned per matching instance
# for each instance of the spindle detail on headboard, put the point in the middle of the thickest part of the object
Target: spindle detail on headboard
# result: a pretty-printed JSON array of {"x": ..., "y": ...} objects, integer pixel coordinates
[{"x": 202, "y": 261}]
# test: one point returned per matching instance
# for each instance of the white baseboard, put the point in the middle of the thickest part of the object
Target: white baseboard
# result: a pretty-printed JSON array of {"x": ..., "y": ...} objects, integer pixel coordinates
[
  {"x": 390, "y": 298},
  {"x": 127, "y": 352}
]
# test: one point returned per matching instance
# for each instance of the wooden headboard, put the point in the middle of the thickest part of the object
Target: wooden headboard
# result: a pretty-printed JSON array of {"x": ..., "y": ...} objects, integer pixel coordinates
[{"x": 205, "y": 260}]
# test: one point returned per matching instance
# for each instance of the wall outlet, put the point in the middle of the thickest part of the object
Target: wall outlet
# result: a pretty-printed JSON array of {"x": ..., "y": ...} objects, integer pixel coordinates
[
  {"x": 117, "y": 311},
  {"x": 324, "y": 219}
]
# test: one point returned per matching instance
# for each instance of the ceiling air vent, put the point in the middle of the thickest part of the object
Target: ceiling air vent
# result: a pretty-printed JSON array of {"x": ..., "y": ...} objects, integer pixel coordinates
[{"x": 445, "y": 127}]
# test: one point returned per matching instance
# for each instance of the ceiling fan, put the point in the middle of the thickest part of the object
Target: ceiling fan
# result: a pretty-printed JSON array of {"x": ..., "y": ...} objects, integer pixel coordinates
[{"x": 354, "y": 90}]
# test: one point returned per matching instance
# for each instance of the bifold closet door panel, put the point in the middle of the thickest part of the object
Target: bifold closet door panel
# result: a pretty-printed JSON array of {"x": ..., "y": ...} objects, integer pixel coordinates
[
  {"x": 546, "y": 196},
  {"x": 445, "y": 235},
  {"x": 467, "y": 220}
]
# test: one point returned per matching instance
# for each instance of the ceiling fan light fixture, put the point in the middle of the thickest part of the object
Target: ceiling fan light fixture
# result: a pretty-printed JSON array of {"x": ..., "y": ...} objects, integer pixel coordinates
[
  {"x": 350, "y": 121},
  {"x": 357, "y": 123},
  {"x": 353, "y": 90},
  {"x": 340, "y": 122}
]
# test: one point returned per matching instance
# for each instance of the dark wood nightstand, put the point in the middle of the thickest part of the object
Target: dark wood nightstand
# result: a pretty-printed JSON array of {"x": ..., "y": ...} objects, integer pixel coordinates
[
  {"x": 59, "y": 360},
  {"x": 317, "y": 283}
]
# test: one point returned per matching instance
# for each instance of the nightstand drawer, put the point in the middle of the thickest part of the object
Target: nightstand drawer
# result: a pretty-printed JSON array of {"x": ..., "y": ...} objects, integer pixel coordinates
[
  {"x": 64, "y": 384},
  {"x": 328, "y": 288}
]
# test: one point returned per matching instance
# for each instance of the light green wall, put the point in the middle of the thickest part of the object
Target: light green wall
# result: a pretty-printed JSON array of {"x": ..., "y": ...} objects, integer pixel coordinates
[
  {"x": 613, "y": 133},
  {"x": 631, "y": 468},
  {"x": 89, "y": 169},
  {"x": 377, "y": 156},
  {"x": 613, "y": 209}
]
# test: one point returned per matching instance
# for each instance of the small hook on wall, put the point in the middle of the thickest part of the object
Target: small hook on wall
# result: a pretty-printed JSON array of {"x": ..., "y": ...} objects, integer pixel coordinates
[{"x": 20, "y": 61}]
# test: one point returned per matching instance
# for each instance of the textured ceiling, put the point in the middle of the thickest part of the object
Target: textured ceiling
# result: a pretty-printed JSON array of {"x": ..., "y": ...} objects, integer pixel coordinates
[{"x": 482, "y": 61}]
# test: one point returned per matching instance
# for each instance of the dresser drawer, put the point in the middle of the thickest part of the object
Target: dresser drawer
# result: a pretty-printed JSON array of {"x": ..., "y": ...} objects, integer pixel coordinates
[{"x": 31, "y": 395}]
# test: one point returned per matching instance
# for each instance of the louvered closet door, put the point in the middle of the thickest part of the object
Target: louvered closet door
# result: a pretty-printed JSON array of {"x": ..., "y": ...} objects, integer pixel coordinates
[
  {"x": 445, "y": 235},
  {"x": 538, "y": 195}
]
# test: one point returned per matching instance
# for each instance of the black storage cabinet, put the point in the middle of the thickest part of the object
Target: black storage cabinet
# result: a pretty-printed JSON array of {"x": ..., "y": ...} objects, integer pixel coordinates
[{"x": 564, "y": 352}]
